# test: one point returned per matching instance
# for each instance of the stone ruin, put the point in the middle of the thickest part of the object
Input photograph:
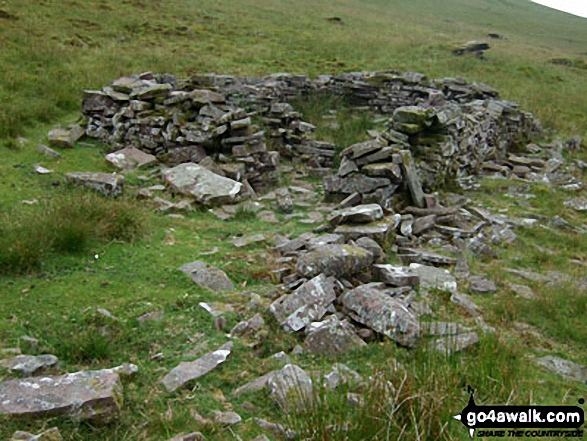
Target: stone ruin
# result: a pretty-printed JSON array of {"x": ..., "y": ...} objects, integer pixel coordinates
[{"x": 437, "y": 130}]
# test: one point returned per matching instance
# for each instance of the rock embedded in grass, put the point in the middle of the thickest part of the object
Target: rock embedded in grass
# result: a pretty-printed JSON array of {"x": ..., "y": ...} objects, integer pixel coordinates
[
  {"x": 186, "y": 372},
  {"x": 80, "y": 395},
  {"x": 104, "y": 183},
  {"x": 32, "y": 365},
  {"x": 207, "y": 276}
]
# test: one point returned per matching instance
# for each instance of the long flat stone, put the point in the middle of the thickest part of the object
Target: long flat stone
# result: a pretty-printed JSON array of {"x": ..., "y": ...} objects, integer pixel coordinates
[
  {"x": 81, "y": 395},
  {"x": 395, "y": 275},
  {"x": 334, "y": 260},
  {"x": 359, "y": 214},
  {"x": 104, "y": 183},
  {"x": 378, "y": 231},
  {"x": 185, "y": 372}
]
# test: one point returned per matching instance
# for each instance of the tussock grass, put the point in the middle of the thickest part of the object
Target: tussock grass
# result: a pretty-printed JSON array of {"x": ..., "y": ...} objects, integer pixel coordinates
[
  {"x": 69, "y": 223},
  {"x": 414, "y": 398}
]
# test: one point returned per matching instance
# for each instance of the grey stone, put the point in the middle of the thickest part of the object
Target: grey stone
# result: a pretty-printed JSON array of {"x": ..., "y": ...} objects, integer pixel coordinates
[
  {"x": 104, "y": 183},
  {"x": 130, "y": 158},
  {"x": 378, "y": 231},
  {"x": 204, "y": 186},
  {"x": 80, "y": 395},
  {"x": 332, "y": 337},
  {"x": 208, "y": 276},
  {"x": 325, "y": 239},
  {"x": 372, "y": 246},
  {"x": 48, "y": 151},
  {"x": 412, "y": 179},
  {"x": 334, "y": 260},
  {"x": 52, "y": 434},
  {"x": 243, "y": 241},
  {"x": 284, "y": 200},
  {"x": 306, "y": 304},
  {"x": 188, "y": 371},
  {"x": 395, "y": 275},
  {"x": 194, "y": 436},
  {"x": 32, "y": 365},
  {"x": 423, "y": 224},
  {"x": 564, "y": 368},
  {"x": 522, "y": 291},
  {"x": 291, "y": 388},
  {"x": 268, "y": 216},
  {"x": 359, "y": 214},
  {"x": 249, "y": 326},
  {"x": 216, "y": 309},
  {"x": 456, "y": 343},
  {"x": 351, "y": 201},
  {"x": 341, "y": 374},
  {"x": 578, "y": 204},
  {"x": 465, "y": 302},
  {"x": 383, "y": 314},
  {"x": 65, "y": 139},
  {"x": 385, "y": 170},
  {"x": 356, "y": 183},
  {"x": 347, "y": 166},
  {"x": 434, "y": 278},
  {"x": 255, "y": 385},
  {"x": 482, "y": 285},
  {"x": 227, "y": 418},
  {"x": 153, "y": 316}
]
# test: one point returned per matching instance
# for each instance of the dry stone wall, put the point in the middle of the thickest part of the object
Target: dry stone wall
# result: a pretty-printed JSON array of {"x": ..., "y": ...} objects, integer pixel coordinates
[{"x": 450, "y": 127}]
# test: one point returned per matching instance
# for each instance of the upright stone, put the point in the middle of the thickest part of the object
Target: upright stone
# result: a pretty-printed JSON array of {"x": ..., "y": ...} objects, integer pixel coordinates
[{"x": 412, "y": 179}]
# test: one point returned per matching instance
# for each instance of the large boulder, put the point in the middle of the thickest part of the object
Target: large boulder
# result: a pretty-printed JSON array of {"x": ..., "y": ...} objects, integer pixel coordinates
[
  {"x": 383, "y": 314},
  {"x": 332, "y": 337},
  {"x": 83, "y": 395},
  {"x": 291, "y": 388},
  {"x": 200, "y": 183},
  {"x": 334, "y": 260}
]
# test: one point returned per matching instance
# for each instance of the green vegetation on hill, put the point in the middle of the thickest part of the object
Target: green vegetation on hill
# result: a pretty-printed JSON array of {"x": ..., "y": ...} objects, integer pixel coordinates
[{"x": 52, "y": 50}]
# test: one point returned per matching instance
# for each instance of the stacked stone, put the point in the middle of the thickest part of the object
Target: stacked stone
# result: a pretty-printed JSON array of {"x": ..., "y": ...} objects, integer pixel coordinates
[{"x": 198, "y": 126}]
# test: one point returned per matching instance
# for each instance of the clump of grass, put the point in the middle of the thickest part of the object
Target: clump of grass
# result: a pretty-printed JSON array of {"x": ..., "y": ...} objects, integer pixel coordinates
[
  {"x": 86, "y": 347},
  {"x": 244, "y": 213},
  {"x": 69, "y": 223},
  {"x": 414, "y": 398}
]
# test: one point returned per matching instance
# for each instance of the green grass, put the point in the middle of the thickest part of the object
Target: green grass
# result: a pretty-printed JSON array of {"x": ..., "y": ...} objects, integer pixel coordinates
[
  {"x": 70, "y": 223},
  {"x": 55, "y": 49}
]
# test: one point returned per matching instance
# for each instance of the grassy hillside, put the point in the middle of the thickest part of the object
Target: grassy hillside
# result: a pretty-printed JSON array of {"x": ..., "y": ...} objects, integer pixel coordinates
[
  {"x": 54, "y": 49},
  {"x": 51, "y": 50}
]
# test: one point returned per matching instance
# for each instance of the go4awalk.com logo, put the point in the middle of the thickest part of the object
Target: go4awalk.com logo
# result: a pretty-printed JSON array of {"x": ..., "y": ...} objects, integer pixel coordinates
[{"x": 522, "y": 421}]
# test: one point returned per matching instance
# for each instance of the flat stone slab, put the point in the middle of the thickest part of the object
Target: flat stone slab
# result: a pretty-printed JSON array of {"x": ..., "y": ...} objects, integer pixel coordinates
[
  {"x": 305, "y": 305},
  {"x": 356, "y": 183},
  {"x": 334, "y": 260},
  {"x": 81, "y": 395},
  {"x": 395, "y": 275},
  {"x": 207, "y": 276},
  {"x": 360, "y": 214},
  {"x": 383, "y": 314},
  {"x": 185, "y": 372},
  {"x": 434, "y": 278},
  {"x": 378, "y": 231},
  {"x": 564, "y": 368},
  {"x": 482, "y": 285},
  {"x": 130, "y": 158},
  {"x": 104, "y": 183},
  {"x": 30, "y": 365},
  {"x": 200, "y": 183}
]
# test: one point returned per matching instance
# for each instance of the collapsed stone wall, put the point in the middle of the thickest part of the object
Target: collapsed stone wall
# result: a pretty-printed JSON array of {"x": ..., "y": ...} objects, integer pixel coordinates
[{"x": 449, "y": 125}]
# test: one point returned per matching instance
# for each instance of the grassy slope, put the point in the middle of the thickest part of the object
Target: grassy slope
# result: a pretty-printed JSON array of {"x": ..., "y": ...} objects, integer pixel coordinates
[{"x": 57, "y": 48}]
